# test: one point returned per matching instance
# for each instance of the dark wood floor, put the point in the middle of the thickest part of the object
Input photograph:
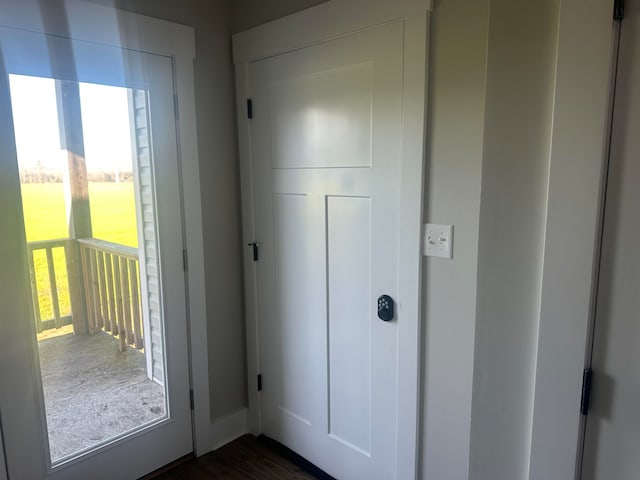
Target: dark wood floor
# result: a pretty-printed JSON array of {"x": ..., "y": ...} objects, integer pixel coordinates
[{"x": 246, "y": 458}]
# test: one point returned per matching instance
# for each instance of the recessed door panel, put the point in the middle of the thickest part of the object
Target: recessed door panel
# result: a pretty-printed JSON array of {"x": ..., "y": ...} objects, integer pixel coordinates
[
  {"x": 323, "y": 119},
  {"x": 290, "y": 220},
  {"x": 350, "y": 320}
]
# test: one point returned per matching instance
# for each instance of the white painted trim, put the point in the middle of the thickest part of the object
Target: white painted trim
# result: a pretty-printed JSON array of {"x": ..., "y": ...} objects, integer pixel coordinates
[
  {"x": 311, "y": 26},
  {"x": 226, "y": 429},
  {"x": 410, "y": 242},
  {"x": 136, "y": 32},
  {"x": 578, "y": 152},
  {"x": 194, "y": 243},
  {"x": 16, "y": 304},
  {"x": 320, "y": 23},
  {"x": 112, "y": 27}
]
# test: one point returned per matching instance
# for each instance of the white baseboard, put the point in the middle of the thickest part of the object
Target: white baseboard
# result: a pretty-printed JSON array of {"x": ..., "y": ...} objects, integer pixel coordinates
[{"x": 226, "y": 429}]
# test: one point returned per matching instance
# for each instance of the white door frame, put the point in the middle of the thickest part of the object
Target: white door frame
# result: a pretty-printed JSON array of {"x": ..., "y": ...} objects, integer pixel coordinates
[
  {"x": 312, "y": 26},
  {"x": 135, "y": 32},
  {"x": 577, "y": 171}
]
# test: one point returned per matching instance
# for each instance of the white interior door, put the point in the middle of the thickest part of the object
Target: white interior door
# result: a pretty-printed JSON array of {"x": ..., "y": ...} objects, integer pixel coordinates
[
  {"x": 326, "y": 149},
  {"x": 612, "y": 437},
  {"x": 28, "y": 424}
]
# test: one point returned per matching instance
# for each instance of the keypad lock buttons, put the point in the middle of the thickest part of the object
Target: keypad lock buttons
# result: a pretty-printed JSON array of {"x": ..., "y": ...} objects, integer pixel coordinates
[{"x": 385, "y": 308}]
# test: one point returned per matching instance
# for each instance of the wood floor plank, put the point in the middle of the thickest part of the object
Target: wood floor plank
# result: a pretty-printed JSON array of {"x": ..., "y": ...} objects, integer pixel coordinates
[{"x": 244, "y": 459}]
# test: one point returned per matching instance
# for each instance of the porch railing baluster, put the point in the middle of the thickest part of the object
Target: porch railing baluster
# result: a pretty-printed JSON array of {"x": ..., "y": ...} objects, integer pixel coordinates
[
  {"x": 34, "y": 289},
  {"x": 97, "y": 289},
  {"x": 53, "y": 287},
  {"x": 86, "y": 285},
  {"x": 113, "y": 319},
  {"x": 135, "y": 304},
  {"x": 122, "y": 333},
  {"x": 77, "y": 303},
  {"x": 95, "y": 299},
  {"x": 103, "y": 292},
  {"x": 126, "y": 297}
]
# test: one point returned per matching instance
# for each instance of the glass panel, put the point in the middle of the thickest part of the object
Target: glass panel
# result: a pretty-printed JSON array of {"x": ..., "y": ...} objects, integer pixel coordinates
[{"x": 89, "y": 211}]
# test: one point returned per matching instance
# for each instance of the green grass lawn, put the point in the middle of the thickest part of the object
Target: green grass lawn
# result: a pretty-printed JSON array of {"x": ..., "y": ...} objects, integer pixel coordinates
[{"x": 113, "y": 218}]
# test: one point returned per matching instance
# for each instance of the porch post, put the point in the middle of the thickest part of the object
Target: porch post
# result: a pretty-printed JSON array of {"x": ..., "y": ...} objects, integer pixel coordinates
[{"x": 76, "y": 191}]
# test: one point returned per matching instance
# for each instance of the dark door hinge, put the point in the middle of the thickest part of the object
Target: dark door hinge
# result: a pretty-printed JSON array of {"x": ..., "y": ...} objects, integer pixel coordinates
[
  {"x": 176, "y": 108},
  {"x": 254, "y": 245},
  {"x": 185, "y": 260},
  {"x": 618, "y": 9},
  {"x": 191, "y": 403},
  {"x": 259, "y": 382},
  {"x": 587, "y": 378},
  {"x": 249, "y": 108}
]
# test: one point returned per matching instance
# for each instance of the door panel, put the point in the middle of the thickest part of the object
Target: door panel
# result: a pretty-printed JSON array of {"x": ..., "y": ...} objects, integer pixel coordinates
[
  {"x": 125, "y": 453},
  {"x": 612, "y": 437},
  {"x": 290, "y": 217},
  {"x": 323, "y": 119},
  {"x": 350, "y": 314},
  {"x": 326, "y": 148}
]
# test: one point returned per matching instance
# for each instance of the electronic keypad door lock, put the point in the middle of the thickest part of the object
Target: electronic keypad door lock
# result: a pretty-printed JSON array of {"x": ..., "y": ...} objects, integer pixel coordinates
[{"x": 385, "y": 308}]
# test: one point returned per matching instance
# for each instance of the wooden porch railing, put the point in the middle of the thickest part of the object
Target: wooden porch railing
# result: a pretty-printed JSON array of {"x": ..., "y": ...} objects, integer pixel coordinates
[
  {"x": 112, "y": 290},
  {"x": 48, "y": 247}
]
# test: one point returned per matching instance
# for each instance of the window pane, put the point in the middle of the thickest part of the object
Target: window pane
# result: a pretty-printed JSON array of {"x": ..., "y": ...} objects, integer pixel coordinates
[{"x": 86, "y": 178}]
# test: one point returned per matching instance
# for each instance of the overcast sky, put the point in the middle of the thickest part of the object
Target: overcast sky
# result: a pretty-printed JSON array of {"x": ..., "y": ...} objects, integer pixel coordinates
[{"x": 105, "y": 121}]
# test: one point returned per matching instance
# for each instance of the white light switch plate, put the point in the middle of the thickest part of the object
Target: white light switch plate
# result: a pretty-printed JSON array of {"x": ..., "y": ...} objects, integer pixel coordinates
[{"x": 438, "y": 240}]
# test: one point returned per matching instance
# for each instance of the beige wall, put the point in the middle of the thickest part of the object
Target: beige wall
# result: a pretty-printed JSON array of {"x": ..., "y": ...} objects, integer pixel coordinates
[
  {"x": 490, "y": 93},
  {"x": 491, "y": 97},
  {"x": 215, "y": 110},
  {"x": 452, "y": 196},
  {"x": 515, "y": 169},
  {"x": 251, "y": 13}
]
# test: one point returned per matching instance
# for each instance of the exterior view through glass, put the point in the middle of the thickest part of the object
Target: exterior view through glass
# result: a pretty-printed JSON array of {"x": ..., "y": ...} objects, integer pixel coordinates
[{"x": 88, "y": 198}]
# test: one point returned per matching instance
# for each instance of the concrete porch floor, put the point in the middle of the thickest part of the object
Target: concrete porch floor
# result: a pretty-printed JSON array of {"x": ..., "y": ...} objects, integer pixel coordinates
[{"x": 93, "y": 392}]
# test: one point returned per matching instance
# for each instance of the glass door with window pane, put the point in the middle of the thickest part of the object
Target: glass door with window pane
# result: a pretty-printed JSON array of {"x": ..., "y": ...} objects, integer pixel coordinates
[{"x": 97, "y": 168}]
